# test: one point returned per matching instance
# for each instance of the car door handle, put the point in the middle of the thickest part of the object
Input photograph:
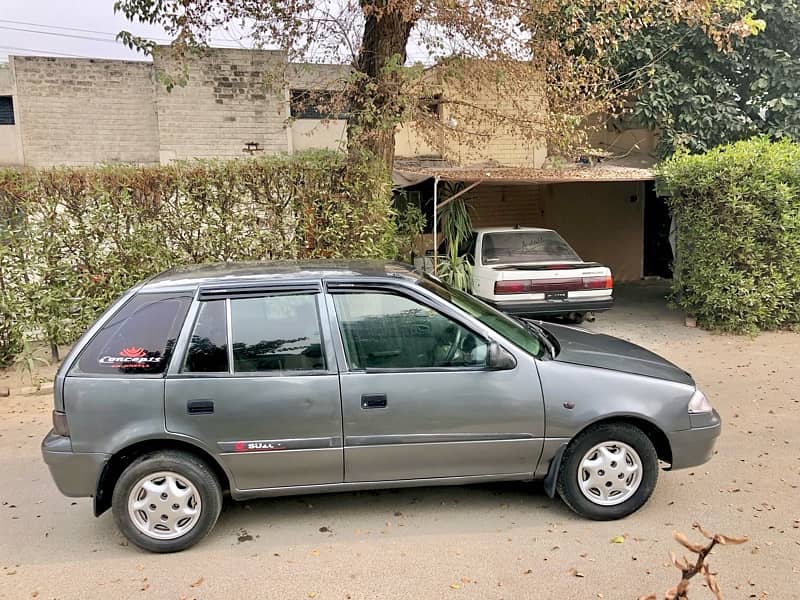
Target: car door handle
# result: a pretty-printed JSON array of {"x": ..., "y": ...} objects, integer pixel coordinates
[
  {"x": 373, "y": 401},
  {"x": 200, "y": 407}
]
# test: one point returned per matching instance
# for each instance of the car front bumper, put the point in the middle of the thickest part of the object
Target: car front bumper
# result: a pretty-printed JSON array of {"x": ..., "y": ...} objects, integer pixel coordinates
[
  {"x": 552, "y": 307},
  {"x": 76, "y": 473},
  {"x": 695, "y": 446}
]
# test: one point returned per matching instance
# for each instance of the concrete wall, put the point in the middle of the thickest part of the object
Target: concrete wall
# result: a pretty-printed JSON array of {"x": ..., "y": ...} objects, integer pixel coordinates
[
  {"x": 598, "y": 219},
  {"x": 229, "y": 100},
  {"x": 10, "y": 142},
  {"x": 602, "y": 221},
  {"x": 85, "y": 111}
]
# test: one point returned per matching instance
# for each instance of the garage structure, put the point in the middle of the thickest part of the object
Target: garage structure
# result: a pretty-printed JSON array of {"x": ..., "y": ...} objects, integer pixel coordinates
[{"x": 609, "y": 212}]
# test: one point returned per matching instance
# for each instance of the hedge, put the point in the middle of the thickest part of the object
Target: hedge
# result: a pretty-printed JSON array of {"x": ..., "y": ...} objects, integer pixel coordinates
[
  {"x": 737, "y": 210},
  {"x": 73, "y": 239}
]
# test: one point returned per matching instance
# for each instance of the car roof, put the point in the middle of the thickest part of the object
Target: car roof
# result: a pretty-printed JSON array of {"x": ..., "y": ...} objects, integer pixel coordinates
[
  {"x": 191, "y": 277},
  {"x": 509, "y": 228}
]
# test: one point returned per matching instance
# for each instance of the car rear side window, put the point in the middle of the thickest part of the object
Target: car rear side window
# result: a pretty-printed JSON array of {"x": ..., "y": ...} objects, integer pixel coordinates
[
  {"x": 276, "y": 333},
  {"x": 138, "y": 339},
  {"x": 208, "y": 348}
]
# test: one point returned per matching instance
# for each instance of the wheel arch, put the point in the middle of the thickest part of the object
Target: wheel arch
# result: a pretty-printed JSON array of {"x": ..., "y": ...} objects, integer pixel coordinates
[
  {"x": 121, "y": 459},
  {"x": 654, "y": 433}
]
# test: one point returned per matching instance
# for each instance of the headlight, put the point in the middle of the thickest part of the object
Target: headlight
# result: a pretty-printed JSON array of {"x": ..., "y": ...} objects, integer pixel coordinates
[{"x": 699, "y": 403}]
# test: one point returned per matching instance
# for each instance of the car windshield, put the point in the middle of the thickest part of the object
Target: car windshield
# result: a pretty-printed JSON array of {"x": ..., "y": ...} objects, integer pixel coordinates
[
  {"x": 507, "y": 327},
  {"x": 513, "y": 247}
]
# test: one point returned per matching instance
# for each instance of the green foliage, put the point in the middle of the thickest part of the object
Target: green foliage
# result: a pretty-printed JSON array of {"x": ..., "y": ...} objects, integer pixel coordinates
[
  {"x": 738, "y": 215},
  {"x": 454, "y": 268},
  {"x": 73, "y": 239},
  {"x": 410, "y": 225},
  {"x": 699, "y": 95}
]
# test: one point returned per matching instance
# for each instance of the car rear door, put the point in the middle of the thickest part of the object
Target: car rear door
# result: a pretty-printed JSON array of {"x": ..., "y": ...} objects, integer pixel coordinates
[
  {"x": 258, "y": 385},
  {"x": 414, "y": 406}
]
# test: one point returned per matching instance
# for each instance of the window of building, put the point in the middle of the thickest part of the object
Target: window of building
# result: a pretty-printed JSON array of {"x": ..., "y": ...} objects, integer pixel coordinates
[
  {"x": 6, "y": 110},
  {"x": 315, "y": 104},
  {"x": 388, "y": 331},
  {"x": 208, "y": 348},
  {"x": 276, "y": 333},
  {"x": 138, "y": 340}
]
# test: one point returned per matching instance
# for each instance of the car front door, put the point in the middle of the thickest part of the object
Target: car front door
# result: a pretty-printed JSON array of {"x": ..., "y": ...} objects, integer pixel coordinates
[
  {"x": 418, "y": 400},
  {"x": 258, "y": 385}
]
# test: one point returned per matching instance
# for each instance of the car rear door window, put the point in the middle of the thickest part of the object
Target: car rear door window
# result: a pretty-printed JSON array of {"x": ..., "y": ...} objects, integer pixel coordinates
[
  {"x": 138, "y": 339},
  {"x": 279, "y": 333},
  {"x": 389, "y": 331},
  {"x": 208, "y": 346}
]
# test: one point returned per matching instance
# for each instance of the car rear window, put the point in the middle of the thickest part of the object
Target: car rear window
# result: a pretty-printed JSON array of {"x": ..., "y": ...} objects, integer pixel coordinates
[
  {"x": 138, "y": 339},
  {"x": 514, "y": 247}
]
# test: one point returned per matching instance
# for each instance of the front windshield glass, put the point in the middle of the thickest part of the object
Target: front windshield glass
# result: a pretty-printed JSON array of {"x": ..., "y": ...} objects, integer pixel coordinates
[
  {"x": 514, "y": 247},
  {"x": 507, "y": 327}
]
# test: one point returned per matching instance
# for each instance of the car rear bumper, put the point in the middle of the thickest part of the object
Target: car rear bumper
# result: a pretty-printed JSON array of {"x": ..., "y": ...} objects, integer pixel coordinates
[
  {"x": 552, "y": 307},
  {"x": 76, "y": 473},
  {"x": 695, "y": 446}
]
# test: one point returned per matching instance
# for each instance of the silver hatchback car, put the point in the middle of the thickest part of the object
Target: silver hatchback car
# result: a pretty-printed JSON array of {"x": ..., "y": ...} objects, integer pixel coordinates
[{"x": 268, "y": 379}]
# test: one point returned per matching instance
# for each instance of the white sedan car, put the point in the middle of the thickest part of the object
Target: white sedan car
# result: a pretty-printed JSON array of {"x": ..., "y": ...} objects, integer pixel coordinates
[{"x": 527, "y": 271}]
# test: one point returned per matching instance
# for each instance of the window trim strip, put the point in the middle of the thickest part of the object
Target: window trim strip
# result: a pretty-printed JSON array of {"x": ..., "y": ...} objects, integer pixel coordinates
[{"x": 229, "y": 333}]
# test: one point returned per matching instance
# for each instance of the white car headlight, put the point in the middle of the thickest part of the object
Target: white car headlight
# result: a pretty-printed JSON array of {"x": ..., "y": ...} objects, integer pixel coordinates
[{"x": 699, "y": 403}]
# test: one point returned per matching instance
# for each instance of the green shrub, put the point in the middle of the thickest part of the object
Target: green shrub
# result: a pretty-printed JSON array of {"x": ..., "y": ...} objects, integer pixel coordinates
[
  {"x": 74, "y": 238},
  {"x": 737, "y": 209}
]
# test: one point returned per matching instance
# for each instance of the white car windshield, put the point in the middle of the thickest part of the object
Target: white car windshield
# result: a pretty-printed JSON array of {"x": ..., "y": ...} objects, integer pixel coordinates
[{"x": 515, "y": 247}]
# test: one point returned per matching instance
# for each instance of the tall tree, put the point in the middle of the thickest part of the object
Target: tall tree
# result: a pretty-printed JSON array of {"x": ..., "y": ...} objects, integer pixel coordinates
[
  {"x": 698, "y": 95},
  {"x": 511, "y": 46}
]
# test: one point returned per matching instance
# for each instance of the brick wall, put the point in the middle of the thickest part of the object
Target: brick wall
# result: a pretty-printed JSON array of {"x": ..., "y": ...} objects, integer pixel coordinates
[
  {"x": 85, "y": 111},
  {"x": 231, "y": 98},
  {"x": 500, "y": 205}
]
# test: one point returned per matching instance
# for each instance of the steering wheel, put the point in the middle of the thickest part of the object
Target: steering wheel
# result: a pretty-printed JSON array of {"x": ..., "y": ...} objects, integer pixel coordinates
[{"x": 455, "y": 346}]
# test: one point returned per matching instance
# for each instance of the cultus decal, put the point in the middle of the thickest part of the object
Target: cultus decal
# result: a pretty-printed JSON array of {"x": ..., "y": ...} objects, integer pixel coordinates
[
  {"x": 130, "y": 357},
  {"x": 256, "y": 446}
]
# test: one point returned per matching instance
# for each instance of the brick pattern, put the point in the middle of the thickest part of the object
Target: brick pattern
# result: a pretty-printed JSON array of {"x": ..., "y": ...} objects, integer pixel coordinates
[
  {"x": 227, "y": 102},
  {"x": 79, "y": 111},
  {"x": 506, "y": 205}
]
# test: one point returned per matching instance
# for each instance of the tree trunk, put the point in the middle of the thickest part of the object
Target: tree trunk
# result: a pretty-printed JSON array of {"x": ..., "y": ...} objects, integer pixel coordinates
[{"x": 377, "y": 104}]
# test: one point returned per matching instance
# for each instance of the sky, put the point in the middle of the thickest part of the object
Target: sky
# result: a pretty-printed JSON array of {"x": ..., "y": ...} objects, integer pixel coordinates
[
  {"x": 87, "y": 28},
  {"x": 84, "y": 28}
]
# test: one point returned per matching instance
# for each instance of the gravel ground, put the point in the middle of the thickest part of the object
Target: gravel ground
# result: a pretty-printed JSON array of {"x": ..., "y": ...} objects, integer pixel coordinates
[{"x": 484, "y": 541}]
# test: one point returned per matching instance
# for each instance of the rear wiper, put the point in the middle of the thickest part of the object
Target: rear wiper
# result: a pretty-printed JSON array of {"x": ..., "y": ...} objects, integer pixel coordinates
[{"x": 539, "y": 332}]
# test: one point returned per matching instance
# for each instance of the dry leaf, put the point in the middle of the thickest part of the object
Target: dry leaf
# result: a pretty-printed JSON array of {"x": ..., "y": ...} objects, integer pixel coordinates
[
  {"x": 455, "y": 586},
  {"x": 702, "y": 531},
  {"x": 727, "y": 540},
  {"x": 575, "y": 573},
  {"x": 198, "y": 582},
  {"x": 683, "y": 541},
  {"x": 619, "y": 539}
]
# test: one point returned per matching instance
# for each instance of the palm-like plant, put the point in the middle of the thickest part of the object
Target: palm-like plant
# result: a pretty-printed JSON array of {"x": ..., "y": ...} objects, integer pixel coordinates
[{"x": 454, "y": 268}]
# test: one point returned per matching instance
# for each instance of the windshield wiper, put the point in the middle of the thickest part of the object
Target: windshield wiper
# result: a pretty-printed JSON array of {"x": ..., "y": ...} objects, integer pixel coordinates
[{"x": 539, "y": 332}]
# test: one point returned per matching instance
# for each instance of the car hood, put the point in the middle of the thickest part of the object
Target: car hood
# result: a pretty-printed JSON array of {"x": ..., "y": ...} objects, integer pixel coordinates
[{"x": 581, "y": 347}]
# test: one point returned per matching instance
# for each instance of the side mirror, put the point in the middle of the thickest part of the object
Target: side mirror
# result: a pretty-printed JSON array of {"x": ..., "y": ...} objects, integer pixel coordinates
[{"x": 498, "y": 358}]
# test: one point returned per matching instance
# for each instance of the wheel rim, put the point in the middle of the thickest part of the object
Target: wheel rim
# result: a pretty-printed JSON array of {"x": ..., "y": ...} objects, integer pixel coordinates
[
  {"x": 164, "y": 505},
  {"x": 610, "y": 473}
]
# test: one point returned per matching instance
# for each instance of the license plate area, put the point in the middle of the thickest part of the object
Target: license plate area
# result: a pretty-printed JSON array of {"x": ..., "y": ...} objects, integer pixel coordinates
[{"x": 556, "y": 295}]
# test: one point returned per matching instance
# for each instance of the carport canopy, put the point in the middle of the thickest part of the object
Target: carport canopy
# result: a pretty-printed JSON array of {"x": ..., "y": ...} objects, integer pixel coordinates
[{"x": 410, "y": 172}]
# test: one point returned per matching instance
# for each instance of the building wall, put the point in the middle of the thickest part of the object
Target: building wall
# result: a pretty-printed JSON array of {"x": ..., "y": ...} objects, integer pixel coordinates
[
  {"x": 228, "y": 100},
  {"x": 507, "y": 205},
  {"x": 602, "y": 221},
  {"x": 10, "y": 143},
  {"x": 85, "y": 111}
]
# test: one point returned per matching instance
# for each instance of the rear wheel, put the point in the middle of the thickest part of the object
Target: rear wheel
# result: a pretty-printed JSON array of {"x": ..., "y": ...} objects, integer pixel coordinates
[
  {"x": 608, "y": 471},
  {"x": 166, "y": 501}
]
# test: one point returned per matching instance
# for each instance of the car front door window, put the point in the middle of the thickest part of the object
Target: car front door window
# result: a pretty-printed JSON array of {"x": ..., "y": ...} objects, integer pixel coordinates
[{"x": 390, "y": 331}]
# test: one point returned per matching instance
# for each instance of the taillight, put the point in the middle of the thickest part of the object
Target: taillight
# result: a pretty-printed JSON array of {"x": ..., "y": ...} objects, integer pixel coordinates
[
  {"x": 603, "y": 282},
  {"x": 60, "y": 426},
  {"x": 518, "y": 286}
]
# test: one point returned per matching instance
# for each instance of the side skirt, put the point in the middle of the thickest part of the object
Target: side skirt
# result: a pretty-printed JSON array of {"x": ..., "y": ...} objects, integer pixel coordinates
[{"x": 375, "y": 485}]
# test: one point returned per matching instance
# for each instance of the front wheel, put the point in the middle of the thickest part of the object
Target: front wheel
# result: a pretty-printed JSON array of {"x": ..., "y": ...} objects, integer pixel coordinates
[
  {"x": 608, "y": 471},
  {"x": 166, "y": 501}
]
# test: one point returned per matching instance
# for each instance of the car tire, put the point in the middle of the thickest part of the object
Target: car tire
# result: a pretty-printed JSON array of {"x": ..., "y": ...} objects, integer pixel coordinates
[
  {"x": 608, "y": 471},
  {"x": 166, "y": 501}
]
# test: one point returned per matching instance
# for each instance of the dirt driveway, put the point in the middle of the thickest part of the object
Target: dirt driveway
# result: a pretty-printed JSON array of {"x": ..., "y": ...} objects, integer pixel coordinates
[{"x": 486, "y": 541}]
